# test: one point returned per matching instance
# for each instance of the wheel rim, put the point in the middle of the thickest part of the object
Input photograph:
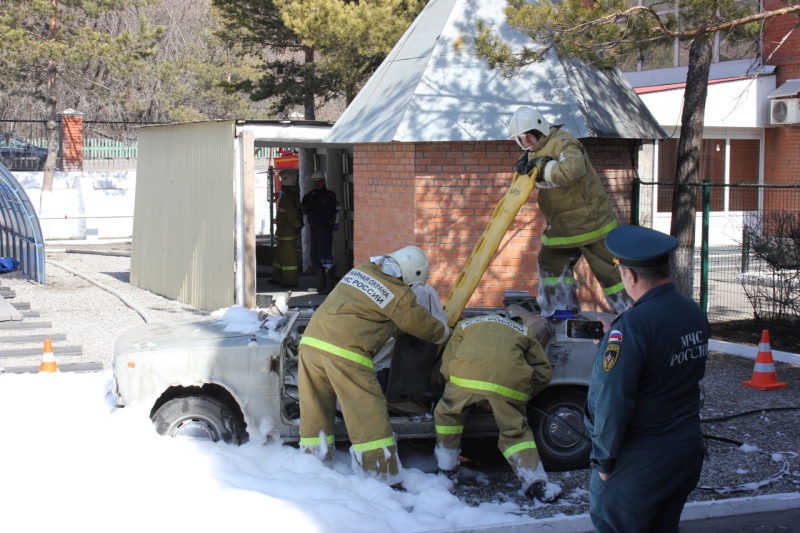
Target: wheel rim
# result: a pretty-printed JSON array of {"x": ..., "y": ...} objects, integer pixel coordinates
[
  {"x": 559, "y": 436},
  {"x": 196, "y": 428}
]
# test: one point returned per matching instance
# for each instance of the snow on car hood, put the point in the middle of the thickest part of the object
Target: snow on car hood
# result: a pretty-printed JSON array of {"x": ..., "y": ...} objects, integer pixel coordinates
[{"x": 223, "y": 326}]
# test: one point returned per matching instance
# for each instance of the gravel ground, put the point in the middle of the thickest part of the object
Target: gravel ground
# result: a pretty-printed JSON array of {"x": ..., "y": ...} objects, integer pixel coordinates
[{"x": 766, "y": 422}]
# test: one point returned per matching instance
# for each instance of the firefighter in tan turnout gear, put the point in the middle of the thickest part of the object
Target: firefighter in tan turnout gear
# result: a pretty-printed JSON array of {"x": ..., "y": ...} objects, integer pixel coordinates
[
  {"x": 288, "y": 223},
  {"x": 495, "y": 359},
  {"x": 370, "y": 304},
  {"x": 577, "y": 210}
]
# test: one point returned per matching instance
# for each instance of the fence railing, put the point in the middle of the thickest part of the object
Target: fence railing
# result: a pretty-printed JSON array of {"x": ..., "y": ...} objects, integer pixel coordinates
[
  {"x": 747, "y": 238},
  {"x": 105, "y": 143}
]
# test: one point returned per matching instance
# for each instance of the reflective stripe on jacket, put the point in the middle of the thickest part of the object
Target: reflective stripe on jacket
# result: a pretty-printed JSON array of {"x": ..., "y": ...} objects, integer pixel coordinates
[
  {"x": 577, "y": 210},
  {"x": 499, "y": 356},
  {"x": 363, "y": 311}
]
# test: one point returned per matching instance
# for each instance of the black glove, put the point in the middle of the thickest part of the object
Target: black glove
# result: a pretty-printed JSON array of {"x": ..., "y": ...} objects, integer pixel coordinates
[
  {"x": 521, "y": 166},
  {"x": 539, "y": 163}
]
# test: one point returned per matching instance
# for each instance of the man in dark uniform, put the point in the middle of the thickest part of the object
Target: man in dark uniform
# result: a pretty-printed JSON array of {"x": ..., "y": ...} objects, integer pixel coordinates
[
  {"x": 370, "y": 304},
  {"x": 320, "y": 207},
  {"x": 643, "y": 408}
]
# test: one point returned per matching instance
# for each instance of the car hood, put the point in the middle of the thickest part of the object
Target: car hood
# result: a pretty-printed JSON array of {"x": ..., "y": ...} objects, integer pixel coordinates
[{"x": 207, "y": 332}]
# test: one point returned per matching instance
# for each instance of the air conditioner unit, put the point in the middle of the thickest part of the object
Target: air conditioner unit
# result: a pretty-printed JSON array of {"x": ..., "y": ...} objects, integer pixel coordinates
[{"x": 785, "y": 111}]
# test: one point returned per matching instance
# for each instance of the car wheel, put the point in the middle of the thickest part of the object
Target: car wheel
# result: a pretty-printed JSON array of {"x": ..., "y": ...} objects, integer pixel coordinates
[
  {"x": 198, "y": 417},
  {"x": 556, "y": 418}
]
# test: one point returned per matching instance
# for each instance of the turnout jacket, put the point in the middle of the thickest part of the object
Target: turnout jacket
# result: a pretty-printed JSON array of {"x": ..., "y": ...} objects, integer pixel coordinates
[
  {"x": 363, "y": 311},
  {"x": 289, "y": 219},
  {"x": 498, "y": 355},
  {"x": 645, "y": 385},
  {"x": 575, "y": 204}
]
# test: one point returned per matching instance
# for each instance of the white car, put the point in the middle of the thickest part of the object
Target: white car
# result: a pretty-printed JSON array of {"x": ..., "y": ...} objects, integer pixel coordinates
[{"x": 204, "y": 379}]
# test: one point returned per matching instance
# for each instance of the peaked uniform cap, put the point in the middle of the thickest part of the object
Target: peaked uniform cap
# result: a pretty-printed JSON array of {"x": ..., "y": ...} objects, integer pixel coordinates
[{"x": 637, "y": 246}]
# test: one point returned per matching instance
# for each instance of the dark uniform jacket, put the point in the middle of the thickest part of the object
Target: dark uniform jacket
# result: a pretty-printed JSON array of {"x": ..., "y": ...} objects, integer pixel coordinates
[
  {"x": 364, "y": 310},
  {"x": 319, "y": 206},
  {"x": 499, "y": 352},
  {"x": 645, "y": 388},
  {"x": 577, "y": 210}
]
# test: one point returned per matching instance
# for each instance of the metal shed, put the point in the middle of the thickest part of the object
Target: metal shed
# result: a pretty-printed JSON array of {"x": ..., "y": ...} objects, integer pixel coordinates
[{"x": 195, "y": 222}]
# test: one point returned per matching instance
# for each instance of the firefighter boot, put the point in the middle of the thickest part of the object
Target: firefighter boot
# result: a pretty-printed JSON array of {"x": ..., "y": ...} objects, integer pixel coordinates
[
  {"x": 321, "y": 281},
  {"x": 330, "y": 280}
]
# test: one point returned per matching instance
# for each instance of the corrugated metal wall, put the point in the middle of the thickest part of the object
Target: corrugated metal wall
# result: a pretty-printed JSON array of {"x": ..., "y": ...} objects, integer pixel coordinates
[{"x": 184, "y": 215}]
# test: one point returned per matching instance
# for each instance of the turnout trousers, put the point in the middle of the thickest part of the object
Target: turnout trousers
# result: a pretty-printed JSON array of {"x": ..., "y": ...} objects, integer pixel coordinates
[
  {"x": 322, "y": 378},
  {"x": 647, "y": 488},
  {"x": 284, "y": 267},
  {"x": 557, "y": 285},
  {"x": 515, "y": 440}
]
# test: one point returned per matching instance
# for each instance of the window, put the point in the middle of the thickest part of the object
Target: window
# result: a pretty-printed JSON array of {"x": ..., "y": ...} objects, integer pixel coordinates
[
  {"x": 742, "y": 156},
  {"x": 676, "y": 53}
]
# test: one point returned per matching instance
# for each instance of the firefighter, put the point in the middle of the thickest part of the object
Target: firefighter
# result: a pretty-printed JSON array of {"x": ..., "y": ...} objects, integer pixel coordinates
[
  {"x": 494, "y": 359},
  {"x": 576, "y": 208},
  {"x": 320, "y": 207},
  {"x": 371, "y": 303},
  {"x": 288, "y": 222}
]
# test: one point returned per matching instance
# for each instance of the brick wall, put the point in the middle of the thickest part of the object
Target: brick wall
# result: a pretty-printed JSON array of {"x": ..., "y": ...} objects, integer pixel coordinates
[
  {"x": 781, "y": 154},
  {"x": 441, "y": 196}
]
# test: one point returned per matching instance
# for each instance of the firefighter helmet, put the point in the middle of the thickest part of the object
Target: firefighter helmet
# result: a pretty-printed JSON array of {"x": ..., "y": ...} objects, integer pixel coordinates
[
  {"x": 317, "y": 175},
  {"x": 413, "y": 264},
  {"x": 527, "y": 119},
  {"x": 289, "y": 178}
]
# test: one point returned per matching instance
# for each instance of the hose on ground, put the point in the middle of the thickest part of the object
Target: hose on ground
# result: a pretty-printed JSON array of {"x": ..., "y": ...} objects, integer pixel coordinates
[
  {"x": 111, "y": 253},
  {"x": 104, "y": 287}
]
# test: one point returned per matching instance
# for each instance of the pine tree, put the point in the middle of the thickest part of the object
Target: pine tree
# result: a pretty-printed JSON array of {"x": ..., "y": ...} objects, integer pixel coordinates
[
  {"x": 313, "y": 50},
  {"x": 47, "y": 43}
]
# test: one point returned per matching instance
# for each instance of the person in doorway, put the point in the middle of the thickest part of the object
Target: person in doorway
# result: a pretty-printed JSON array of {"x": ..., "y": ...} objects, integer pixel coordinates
[
  {"x": 643, "y": 407},
  {"x": 371, "y": 303},
  {"x": 288, "y": 222},
  {"x": 577, "y": 210},
  {"x": 500, "y": 361},
  {"x": 320, "y": 207}
]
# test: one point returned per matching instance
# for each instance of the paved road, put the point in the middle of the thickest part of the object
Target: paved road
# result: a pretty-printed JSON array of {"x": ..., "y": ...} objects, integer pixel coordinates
[{"x": 767, "y": 522}]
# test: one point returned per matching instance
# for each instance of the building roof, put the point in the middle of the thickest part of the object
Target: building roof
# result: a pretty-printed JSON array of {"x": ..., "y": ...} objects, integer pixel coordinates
[{"x": 432, "y": 87}]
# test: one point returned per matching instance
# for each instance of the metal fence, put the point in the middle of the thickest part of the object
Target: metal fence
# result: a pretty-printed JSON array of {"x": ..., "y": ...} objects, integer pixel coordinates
[
  {"x": 746, "y": 262},
  {"x": 106, "y": 144}
]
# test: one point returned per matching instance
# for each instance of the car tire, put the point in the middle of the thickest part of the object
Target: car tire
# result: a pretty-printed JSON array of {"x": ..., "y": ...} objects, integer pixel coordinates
[
  {"x": 560, "y": 448},
  {"x": 199, "y": 417}
]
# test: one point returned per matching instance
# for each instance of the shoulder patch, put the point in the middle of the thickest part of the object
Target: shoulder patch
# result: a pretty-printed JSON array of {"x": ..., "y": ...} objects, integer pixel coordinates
[
  {"x": 615, "y": 335},
  {"x": 374, "y": 289},
  {"x": 497, "y": 319},
  {"x": 611, "y": 356}
]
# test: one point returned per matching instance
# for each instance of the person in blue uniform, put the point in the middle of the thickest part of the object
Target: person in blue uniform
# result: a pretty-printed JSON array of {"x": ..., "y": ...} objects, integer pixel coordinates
[
  {"x": 643, "y": 408},
  {"x": 320, "y": 207}
]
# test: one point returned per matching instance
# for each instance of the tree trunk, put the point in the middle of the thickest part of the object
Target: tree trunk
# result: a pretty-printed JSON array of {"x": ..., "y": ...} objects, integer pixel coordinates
[
  {"x": 308, "y": 103},
  {"x": 688, "y": 163},
  {"x": 51, "y": 102}
]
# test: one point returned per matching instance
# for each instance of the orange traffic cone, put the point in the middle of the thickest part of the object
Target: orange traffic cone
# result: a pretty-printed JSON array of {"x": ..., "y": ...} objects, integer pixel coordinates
[
  {"x": 48, "y": 361},
  {"x": 764, "y": 375}
]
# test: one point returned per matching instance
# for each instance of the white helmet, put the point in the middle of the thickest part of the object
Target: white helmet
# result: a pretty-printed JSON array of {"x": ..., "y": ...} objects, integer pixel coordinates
[
  {"x": 413, "y": 264},
  {"x": 289, "y": 178},
  {"x": 524, "y": 120},
  {"x": 317, "y": 175}
]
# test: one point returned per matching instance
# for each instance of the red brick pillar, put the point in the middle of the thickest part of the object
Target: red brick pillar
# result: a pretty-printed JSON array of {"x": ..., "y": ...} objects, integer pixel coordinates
[{"x": 71, "y": 139}]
